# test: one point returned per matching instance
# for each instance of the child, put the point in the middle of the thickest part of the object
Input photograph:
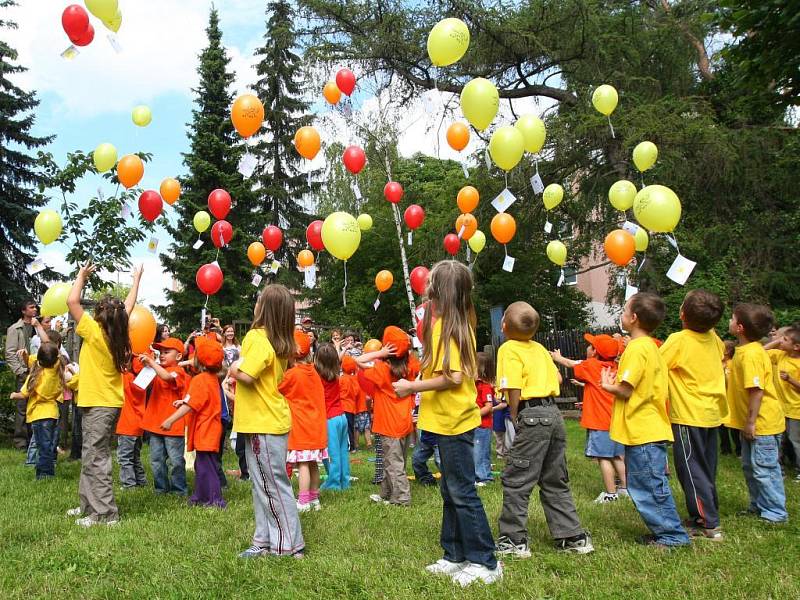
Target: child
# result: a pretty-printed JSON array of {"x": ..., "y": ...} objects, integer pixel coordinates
[
  {"x": 392, "y": 412},
  {"x": 596, "y": 414},
  {"x": 728, "y": 435},
  {"x": 639, "y": 420},
  {"x": 784, "y": 353},
  {"x": 308, "y": 439},
  {"x": 530, "y": 379},
  {"x": 104, "y": 356},
  {"x": 129, "y": 430},
  {"x": 262, "y": 416},
  {"x": 169, "y": 386},
  {"x": 499, "y": 416},
  {"x": 204, "y": 422},
  {"x": 326, "y": 362},
  {"x": 697, "y": 407},
  {"x": 349, "y": 391},
  {"x": 483, "y": 434},
  {"x": 448, "y": 417},
  {"x": 756, "y": 411},
  {"x": 363, "y": 419}
]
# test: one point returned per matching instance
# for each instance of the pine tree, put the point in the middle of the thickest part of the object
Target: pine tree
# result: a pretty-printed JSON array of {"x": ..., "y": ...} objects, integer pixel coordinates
[
  {"x": 21, "y": 181},
  {"x": 212, "y": 162}
]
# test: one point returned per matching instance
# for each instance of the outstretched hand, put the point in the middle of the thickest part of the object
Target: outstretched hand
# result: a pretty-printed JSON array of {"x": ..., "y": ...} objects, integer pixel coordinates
[{"x": 608, "y": 377}]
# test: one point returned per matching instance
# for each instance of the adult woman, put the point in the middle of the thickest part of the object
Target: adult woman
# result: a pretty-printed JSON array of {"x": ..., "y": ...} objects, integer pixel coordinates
[
  {"x": 162, "y": 332},
  {"x": 230, "y": 346}
]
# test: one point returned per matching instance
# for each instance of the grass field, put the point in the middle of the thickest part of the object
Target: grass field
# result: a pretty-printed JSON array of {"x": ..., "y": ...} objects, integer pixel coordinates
[{"x": 359, "y": 550}]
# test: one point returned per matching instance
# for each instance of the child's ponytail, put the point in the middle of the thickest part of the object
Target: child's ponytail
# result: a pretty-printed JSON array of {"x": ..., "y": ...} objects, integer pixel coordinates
[{"x": 112, "y": 316}]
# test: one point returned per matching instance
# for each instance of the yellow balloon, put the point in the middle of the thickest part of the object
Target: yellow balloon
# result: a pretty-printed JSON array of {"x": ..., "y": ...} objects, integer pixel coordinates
[
  {"x": 557, "y": 253},
  {"x": 105, "y": 157},
  {"x": 448, "y": 41},
  {"x": 114, "y": 23},
  {"x": 201, "y": 221},
  {"x": 657, "y": 208},
  {"x": 142, "y": 115},
  {"x": 47, "y": 226},
  {"x": 364, "y": 222},
  {"x": 645, "y": 155},
  {"x": 533, "y": 130},
  {"x": 103, "y": 9},
  {"x": 507, "y": 147},
  {"x": 621, "y": 194},
  {"x": 479, "y": 102},
  {"x": 477, "y": 242},
  {"x": 641, "y": 239},
  {"x": 54, "y": 301},
  {"x": 552, "y": 196},
  {"x": 341, "y": 235},
  {"x": 605, "y": 99}
]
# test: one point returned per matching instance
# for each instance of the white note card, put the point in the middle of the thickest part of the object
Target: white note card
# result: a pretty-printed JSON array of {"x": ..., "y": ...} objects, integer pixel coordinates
[
  {"x": 152, "y": 245},
  {"x": 548, "y": 227},
  {"x": 247, "y": 165},
  {"x": 504, "y": 200},
  {"x": 310, "y": 276},
  {"x": 680, "y": 270},
  {"x": 125, "y": 211},
  {"x": 410, "y": 238},
  {"x": 273, "y": 268},
  {"x": 631, "y": 228},
  {"x": 630, "y": 290},
  {"x": 256, "y": 281},
  {"x": 197, "y": 244},
  {"x": 537, "y": 184},
  {"x": 420, "y": 312},
  {"x": 377, "y": 303},
  {"x": 560, "y": 279},
  {"x": 36, "y": 266},
  {"x": 508, "y": 263},
  {"x": 112, "y": 39},
  {"x": 672, "y": 241},
  {"x": 70, "y": 53},
  {"x": 145, "y": 378},
  {"x": 465, "y": 170},
  {"x": 357, "y": 191}
]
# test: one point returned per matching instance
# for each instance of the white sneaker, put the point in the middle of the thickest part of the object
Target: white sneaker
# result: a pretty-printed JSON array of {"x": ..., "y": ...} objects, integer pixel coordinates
[
  {"x": 304, "y": 507},
  {"x": 480, "y": 484},
  {"x": 316, "y": 505},
  {"x": 623, "y": 492},
  {"x": 474, "y": 572},
  {"x": 445, "y": 567},
  {"x": 505, "y": 547},
  {"x": 377, "y": 499},
  {"x": 605, "y": 498},
  {"x": 87, "y": 522},
  {"x": 74, "y": 512},
  {"x": 353, "y": 478}
]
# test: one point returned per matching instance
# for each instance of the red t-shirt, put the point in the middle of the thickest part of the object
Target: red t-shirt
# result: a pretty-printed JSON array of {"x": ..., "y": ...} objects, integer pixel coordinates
[
  {"x": 485, "y": 396},
  {"x": 204, "y": 423},
  {"x": 333, "y": 403},
  {"x": 596, "y": 401},
  {"x": 303, "y": 389},
  {"x": 391, "y": 415},
  {"x": 130, "y": 418},
  {"x": 159, "y": 406}
]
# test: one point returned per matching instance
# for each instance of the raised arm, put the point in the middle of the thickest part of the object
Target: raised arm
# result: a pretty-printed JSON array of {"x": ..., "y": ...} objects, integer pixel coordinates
[
  {"x": 130, "y": 301},
  {"x": 363, "y": 361},
  {"x": 74, "y": 298},
  {"x": 564, "y": 362},
  {"x": 40, "y": 330}
]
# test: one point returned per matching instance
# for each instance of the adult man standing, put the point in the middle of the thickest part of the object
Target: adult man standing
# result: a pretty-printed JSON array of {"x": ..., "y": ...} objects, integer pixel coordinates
[{"x": 18, "y": 337}]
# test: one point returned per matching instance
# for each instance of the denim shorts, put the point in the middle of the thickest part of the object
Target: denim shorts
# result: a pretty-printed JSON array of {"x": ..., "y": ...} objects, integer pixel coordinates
[{"x": 600, "y": 445}]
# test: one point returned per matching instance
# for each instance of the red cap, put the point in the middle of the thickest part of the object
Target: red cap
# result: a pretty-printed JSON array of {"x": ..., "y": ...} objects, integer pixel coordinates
[
  {"x": 349, "y": 365},
  {"x": 170, "y": 344},
  {"x": 209, "y": 353},
  {"x": 606, "y": 346},
  {"x": 303, "y": 343},
  {"x": 397, "y": 338}
]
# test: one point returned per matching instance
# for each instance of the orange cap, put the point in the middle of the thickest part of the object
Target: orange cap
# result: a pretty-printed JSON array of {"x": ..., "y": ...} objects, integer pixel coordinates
[
  {"x": 349, "y": 365},
  {"x": 303, "y": 343},
  {"x": 606, "y": 346},
  {"x": 209, "y": 353},
  {"x": 397, "y": 338},
  {"x": 170, "y": 343}
]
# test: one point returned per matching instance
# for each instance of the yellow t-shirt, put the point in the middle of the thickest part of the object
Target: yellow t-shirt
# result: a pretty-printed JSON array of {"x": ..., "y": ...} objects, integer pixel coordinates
[
  {"x": 528, "y": 367},
  {"x": 751, "y": 367},
  {"x": 43, "y": 401},
  {"x": 788, "y": 394},
  {"x": 696, "y": 378},
  {"x": 100, "y": 383},
  {"x": 642, "y": 418},
  {"x": 260, "y": 407},
  {"x": 453, "y": 411}
]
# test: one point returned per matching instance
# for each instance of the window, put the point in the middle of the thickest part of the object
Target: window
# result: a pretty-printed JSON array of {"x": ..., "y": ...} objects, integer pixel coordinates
[{"x": 570, "y": 276}]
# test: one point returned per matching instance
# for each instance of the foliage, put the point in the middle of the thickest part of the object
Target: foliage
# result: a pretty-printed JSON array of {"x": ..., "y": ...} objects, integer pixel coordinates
[{"x": 115, "y": 290}]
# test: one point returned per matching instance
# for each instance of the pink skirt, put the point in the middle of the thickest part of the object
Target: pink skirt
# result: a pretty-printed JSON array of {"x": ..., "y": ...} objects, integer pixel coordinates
[{"x": 299, "y": 456}]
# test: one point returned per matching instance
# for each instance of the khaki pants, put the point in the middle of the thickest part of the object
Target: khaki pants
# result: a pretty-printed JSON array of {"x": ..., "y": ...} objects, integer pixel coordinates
[
  {"x": 96, "y": 486},
  {"x": 395, "y": 487}
]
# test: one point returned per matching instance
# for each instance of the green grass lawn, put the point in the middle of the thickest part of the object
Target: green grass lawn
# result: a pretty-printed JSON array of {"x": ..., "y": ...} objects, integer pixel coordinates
[{"x": 356, "y": 549}]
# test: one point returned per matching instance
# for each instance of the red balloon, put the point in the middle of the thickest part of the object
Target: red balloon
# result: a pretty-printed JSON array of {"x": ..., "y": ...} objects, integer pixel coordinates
[
  {"x": 209, "y": 279},
  {"x": 414, "y": 216},
  {"x": 219, "y": 203},
  {"x": 393, "y": 192},
  {"x": 354, "y": 159},
  {"x": 86, "y": 38},
  {"x": 150, "y": 204},
  {"x": 452, "y": 244},
  {"x": 346, "y": 81},
  {"x": 314, "y": 236},
  {"x": 75, "y": 21},
  {"x": 221, "y": 233},
  {"x": 273, "y": 237},
  {"x": 419, "y": 279}
]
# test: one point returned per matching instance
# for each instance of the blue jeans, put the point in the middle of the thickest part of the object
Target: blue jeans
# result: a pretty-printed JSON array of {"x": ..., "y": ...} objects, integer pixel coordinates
[
  {"x": 420, "y": 457},
  {"x": 482, "y": 455},
  {"x": 466, "y": 534},
  {"x": 162, "y": 447},
  {"x": 339, "y": 464},
  {"x": 46, "y": 436},
  {"x": 649, "y": 489},
  {"x": 762, "y": 472}
]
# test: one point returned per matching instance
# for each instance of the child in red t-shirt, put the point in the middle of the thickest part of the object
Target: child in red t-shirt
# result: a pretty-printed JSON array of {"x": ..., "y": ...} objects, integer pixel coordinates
[
  {"x": 349, "y": 392},
  {"x": 482, "y": 450},
  {"x": 328, "y": 366},
  {"x": 596, "y": 417},
  {"x": 203, "y": 405},
  {"x": 129, "y": 430}
]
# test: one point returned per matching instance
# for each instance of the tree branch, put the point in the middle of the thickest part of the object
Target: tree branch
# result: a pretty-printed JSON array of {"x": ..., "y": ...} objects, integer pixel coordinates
[{"x": 703, "y": 63}]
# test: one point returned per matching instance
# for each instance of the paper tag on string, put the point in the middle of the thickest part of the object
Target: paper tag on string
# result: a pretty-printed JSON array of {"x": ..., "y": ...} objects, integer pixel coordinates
[
  {"x": 256, "y": 281},
  {"x": 548, "y": 227},
  {"x": 488, "y": 160},
  {"x": 427, "y": 103},
  {"x": 630, "y": 290},
  {"x": 247, "y": 165},
  {"x": 203, "y": 316},
  {"x": 508, "y": 263},
  {"x": 152, "y": 245},
  {"x": 357, "y": 190},
  {"x": 420, "y": 312},
  {"x": 641, "y": 264},
  {"x": 461, "y": 231},
  {"x": 410, "y": 238},
  {"x": 347, "y": 109},
  {"x": 504, "y": 200},
  {"x": 145, "y": 378},
  {"x": 197, "y": 244},
  {"x": 112, "y": 39},
  {"x": 469, "y": 253},
  {"x": 415, "y": 343},
  {"x": 465, "y": 170},
  {"x": 631, "y": 228},
  {"x": 310, "y": 276},
  {"x": 125, "y": 211},
  {"x": 537, "y": 184},
  {"x": 36, "y": 266},
  {"x": 680, "y": 270},
  {"x": 100, "y": 195},
  {"x": 560, "y": 279},
  {"x": 70, "y": 53},
  {"x": 273, "y": 268},
  {"x": 672, "y": 241},
  {"x": 376, "y": 304}
]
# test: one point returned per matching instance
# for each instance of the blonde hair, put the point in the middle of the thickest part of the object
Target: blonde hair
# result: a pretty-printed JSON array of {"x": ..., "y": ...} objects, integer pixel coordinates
[{"x": 274, "y": 313}]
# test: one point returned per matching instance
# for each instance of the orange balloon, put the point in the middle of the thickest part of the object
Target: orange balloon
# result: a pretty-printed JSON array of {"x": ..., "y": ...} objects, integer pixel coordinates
[
  {"x": 307, "y": 142},
  {"x": 141, "y": 329},
  {"x": 130, "y": 170},
  {"x": 247, "y": 115},
  {"x": 170, "y": 190},
  {"x": 372, "y": 345},
  {"x": 305, "y": 258},
  {"x": 469, "y": 223},
  {"x": 620, "y": 246},
  {"x": 467, "y": 199},
  {"x": 256, "y": 253},
  {"x": 384, "y": 280},
  {"x": 503, "y": 227},
  {"x": 458, "y": 136},
  {"x": 332, "y": 92}
]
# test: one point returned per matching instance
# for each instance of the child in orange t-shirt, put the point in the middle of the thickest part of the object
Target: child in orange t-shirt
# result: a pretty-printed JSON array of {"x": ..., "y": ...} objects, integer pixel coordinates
[
  {"x": 308, "y": 438},
  {"x": 129, "y": 430},
  {"x": 203, "y": 405},
  {"x": 596, "y": 417},
  {"x": 349, "y": 393},
  {"x": 392, "y": 414}
]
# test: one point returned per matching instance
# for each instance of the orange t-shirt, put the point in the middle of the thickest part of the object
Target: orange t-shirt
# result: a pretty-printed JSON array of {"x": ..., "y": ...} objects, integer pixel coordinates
[
  {"x": 349, "y": 393},
  {"x": 130, "y": 418},
  {"x": 303, "y": 390},
  {"x": 391, "y": 416},
  {"x": 596, "y": 401},
  {"x": 204, "y": 423},
  {"x": 159, "y": 407}
]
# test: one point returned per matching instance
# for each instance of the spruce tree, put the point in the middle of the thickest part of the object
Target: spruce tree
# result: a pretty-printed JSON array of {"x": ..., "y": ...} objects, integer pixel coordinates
[
  {"x": 212, "y": 162},
  {"x": 21, "y": 180}
]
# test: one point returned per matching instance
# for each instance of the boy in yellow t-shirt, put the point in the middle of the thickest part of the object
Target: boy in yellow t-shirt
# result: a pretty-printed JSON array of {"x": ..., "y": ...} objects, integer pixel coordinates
[
  {"x": 785, "y": 355},
  {"x": 697, "y": 407},
  {"x": 756, "y": 411},
  {"x": 639, "y": 420},
  {"x": 530, "y": 380}
]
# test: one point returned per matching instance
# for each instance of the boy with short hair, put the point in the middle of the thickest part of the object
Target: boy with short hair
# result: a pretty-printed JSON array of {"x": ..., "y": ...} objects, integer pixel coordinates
[
  {"x": 529, "y": 378},
  {"x": 785, "y": 355},
  {"x": 756, "y": 411},
  {"x": 697, "y": 407},
  {"x": 639, "y": 420}
]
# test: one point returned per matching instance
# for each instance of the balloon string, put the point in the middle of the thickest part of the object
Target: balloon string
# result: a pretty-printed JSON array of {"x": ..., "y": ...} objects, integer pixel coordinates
[
  {"x": 506, "y": 177},
  {"x": 505, "y": 249},
  {"x": 344, "y": 289},
  {"x": 612, "y": 127},
  {"x": 641, "y": 176},
  {"x": 206, "y": 304},
  {"x": 536, "y": 163}
]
